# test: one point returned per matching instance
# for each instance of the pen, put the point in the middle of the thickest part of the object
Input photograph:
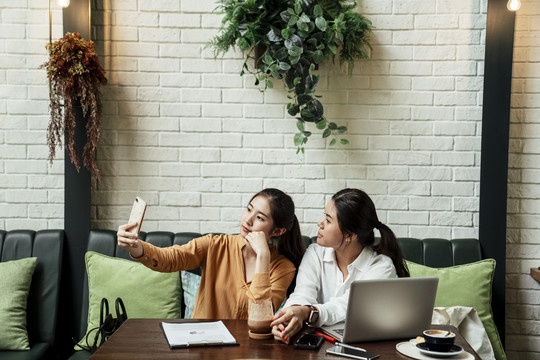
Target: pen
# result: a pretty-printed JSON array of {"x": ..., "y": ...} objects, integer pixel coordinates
[
  {"x": 349, "y": 346},
  {"x": 329, "y": 338}
]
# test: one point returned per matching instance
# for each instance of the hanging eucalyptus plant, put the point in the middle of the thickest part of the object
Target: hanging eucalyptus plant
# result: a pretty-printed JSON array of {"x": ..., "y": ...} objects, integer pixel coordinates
[{"x": 295, "y": 36}]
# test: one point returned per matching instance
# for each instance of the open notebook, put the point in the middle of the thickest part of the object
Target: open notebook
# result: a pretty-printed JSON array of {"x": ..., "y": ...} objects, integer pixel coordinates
[{"x": 386, "y": 309}]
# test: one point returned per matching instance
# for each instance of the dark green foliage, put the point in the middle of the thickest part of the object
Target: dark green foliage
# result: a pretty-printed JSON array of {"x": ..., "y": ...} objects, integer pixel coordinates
[{"x": 295, "y": 36}]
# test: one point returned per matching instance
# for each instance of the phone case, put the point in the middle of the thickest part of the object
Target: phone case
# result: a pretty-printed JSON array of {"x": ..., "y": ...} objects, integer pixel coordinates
[
  {"x": 137, "y": 214},
  {"x": 309, "y": 341},
  {"x": 352, "y": 353}
]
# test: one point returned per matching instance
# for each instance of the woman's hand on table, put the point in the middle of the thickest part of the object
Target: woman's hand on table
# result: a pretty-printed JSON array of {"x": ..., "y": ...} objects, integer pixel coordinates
[
  {"x": 288, "y": 322},
  {"x": 129, "y": 241}
]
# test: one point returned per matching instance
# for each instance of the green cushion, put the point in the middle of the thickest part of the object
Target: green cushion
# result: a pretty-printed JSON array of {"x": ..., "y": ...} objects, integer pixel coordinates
[
  {"x": 466, "y": 285},
  {"x": 15, "y": 280},
  {"x": 190, "y": 287},
  {"x": 145, "y": 293}
]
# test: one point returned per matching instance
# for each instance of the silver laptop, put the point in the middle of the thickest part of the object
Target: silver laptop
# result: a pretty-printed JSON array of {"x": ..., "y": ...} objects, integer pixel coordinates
[{"x": 386, "y": 309}]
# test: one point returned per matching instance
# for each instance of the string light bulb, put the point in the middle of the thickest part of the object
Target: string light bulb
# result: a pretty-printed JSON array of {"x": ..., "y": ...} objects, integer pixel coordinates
[
  {"x": 513, "y": 5},
  {"x": 62, "y": 3}
]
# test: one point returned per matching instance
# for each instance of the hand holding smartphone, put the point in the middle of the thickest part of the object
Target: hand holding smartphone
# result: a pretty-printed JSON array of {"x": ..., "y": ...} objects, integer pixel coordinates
[{"x": 137, "y": 214}]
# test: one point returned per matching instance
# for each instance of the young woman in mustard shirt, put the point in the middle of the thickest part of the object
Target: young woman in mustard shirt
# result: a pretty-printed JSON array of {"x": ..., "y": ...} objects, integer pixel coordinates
[{"x": 234, "y": 268}]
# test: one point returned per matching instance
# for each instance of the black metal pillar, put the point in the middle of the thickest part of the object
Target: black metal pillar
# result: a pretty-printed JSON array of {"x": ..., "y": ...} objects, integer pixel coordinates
[
  {"x": 495, "y": 139},
  {"x": 76, "y": 18}
]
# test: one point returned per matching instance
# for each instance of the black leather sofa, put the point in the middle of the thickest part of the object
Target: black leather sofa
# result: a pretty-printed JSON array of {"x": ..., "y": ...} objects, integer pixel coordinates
[
  {"x": 431, "y": 252},
  {"x": 43, "y": 299}
]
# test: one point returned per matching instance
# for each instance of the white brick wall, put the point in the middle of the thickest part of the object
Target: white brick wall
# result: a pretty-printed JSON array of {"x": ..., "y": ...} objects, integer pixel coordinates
[
  {"x": 188, "y": 134},
  {"x": 523, "y": 248}
]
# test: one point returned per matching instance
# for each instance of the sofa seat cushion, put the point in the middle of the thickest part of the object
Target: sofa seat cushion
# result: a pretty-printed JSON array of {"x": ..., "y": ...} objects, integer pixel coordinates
[
  {"x": 466, "y": 285},
  {"x": 145, "y": 293},
  {"x": 15, "y": 281},
  {"x": 37, "y": 351}
]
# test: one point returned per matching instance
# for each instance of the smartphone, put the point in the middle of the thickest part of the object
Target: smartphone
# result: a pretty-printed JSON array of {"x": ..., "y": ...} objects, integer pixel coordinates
[
  {"x": 309, "y": 341},
  {"x": 137, "y": 214},
  {"x": 351, "y": 352}
]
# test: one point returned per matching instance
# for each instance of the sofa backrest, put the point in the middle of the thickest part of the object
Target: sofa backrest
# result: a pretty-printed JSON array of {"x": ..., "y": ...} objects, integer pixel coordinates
[
  {"x": 437, "y": 252},
  {"x": 43, "y": 299}
]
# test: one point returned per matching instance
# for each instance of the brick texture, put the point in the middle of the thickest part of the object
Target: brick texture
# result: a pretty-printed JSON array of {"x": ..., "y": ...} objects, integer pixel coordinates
[{"x": 188, "y": 134}]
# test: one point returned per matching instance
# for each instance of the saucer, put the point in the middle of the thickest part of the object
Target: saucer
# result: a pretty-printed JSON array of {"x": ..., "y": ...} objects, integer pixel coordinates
[{"x": 454, "y": 350}]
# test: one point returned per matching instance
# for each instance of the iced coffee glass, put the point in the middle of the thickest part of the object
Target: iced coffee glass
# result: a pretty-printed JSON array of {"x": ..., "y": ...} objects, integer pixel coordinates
[{"x": 259, "y": 319}]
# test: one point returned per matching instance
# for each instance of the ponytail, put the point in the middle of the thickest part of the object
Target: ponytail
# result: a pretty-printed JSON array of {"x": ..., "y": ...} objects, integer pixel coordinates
[
  {"x": 290, "y": 244},
  {"x": 389, "y": 246},
  {"x": 357, "y": 215}
]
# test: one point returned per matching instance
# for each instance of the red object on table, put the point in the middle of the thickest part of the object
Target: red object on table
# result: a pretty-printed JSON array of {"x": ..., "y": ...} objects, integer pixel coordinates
[{"x": 329, "y": 338}]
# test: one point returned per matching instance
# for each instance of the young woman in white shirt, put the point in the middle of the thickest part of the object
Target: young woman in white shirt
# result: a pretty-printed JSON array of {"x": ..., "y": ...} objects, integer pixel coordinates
[{"x": 344, "y": 252}]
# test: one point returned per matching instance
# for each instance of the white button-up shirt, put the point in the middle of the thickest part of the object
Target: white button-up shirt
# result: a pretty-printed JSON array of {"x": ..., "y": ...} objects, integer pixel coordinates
[{"x": 320, "y": 281}]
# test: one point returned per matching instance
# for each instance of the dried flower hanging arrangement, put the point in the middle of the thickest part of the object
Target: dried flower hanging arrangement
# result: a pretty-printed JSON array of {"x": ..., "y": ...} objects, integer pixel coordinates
[{"x": 74, "y": 73}]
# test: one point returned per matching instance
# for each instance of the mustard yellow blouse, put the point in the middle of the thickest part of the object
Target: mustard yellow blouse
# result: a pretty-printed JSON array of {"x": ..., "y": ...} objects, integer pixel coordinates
[{"x": 223, "y": 292}]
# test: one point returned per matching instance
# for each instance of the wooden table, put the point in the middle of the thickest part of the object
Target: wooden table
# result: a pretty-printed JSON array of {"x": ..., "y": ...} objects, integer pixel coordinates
[{"x": 144, "y": 339}]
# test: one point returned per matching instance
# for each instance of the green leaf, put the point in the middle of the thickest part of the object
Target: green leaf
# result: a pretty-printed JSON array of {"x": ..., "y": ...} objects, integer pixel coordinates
[
  {"x": 326, "y": 133},
  {"x": 316, "y": 108},
  {"x": 290, "y": 11},
  {"x": 320, "y": 22},
  {"x": 318, "y": 56},
  {"x": 302, "y": 26},
  {"x": 273, "y": 36},
  {"x": 293, "y": 110},
  {"x": 341, "y": 129},
  {"x": 333, "y": 142},
  {"x": 243, "y": 44},
  {"x": 292, "y": 20},
  {"x": 332, "y": 126},
  {"x": 267, "y": 59},
  {"x": 300, "y": 125},
  {"x": 304, "y": 18},
  {"x": 306, "y": 115},
  {"x": 317, "y": 10},
  {"x": 284, "y": 66},
  {"x": 294, "y": 59},
  {"x": 311, "y": 68},
  {"x": 321, "y": 124},
  {"x": 332, "y": 48},
  {"x": 307, "y": 133},
  {"x": 298, "y": 138},
  {"x": 297, "y": 7},
  {"x": 270, "y": 84},
  {"x": 286, "y": 33},
  {"x": 297, "y": 80},
  {"x": 344, "y": 141},
  {"x": 297, "y": 150},
  {"x": 332, "y": 7}
]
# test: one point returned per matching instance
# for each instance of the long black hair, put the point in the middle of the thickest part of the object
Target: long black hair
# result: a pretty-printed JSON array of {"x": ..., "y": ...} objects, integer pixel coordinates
[
  {"x": 356, "y": 214},
  {"x": 290, "y": 243}
]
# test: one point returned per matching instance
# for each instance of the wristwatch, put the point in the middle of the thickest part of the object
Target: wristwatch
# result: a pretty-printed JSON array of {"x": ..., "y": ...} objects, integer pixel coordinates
[{"x": 313, "y": 315}]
